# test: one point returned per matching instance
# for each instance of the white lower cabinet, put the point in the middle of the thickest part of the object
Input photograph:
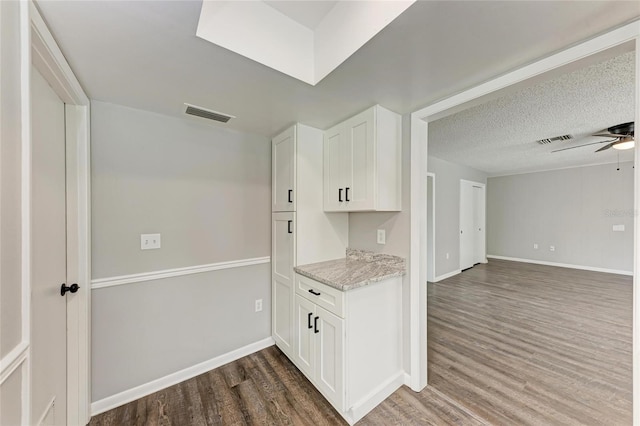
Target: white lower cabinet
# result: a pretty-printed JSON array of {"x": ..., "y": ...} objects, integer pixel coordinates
[
  {"x": 319, "y": 349},
  {"x": 348, "y": 344}
]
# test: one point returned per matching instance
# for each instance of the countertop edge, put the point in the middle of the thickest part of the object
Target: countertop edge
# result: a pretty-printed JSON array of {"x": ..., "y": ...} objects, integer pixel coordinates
[{"x": 350, "y": 286}]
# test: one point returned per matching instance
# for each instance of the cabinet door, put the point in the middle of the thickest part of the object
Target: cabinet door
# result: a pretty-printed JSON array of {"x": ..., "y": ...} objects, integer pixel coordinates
[
  {"x": 282, "y": 262},
  {"x": 333, "y": 170},
  {"x": 283, "y": 171},
  {"x": 359, "y": 155},
  {"x": 304, "y": 354},
  {"x": 330, "y": 357}
]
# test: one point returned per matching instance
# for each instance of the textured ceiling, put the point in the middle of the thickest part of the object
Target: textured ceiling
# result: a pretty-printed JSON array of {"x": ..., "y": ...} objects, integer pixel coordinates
[
  {"x": 499, "y": 137},
  {"x": 144, "y": 54}
]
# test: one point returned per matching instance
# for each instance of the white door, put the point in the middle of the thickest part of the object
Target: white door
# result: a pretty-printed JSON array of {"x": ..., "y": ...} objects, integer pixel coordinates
[
  {"x": 48, "y": 256},
  {"x": 467, "y": 215},
  {"x": 479, "y": 224},
  {"x": 283, "y": 150},
  {"x": 431, "y": 264},
  {"x": 282, "y": 263},
  {"x": 329, "y": 332},
  {"x": 333, "y": 166},
  {"x": 472, "y": 231},
  {"x": 305, "y": 338},
  {"x": 359, "y": 162}
]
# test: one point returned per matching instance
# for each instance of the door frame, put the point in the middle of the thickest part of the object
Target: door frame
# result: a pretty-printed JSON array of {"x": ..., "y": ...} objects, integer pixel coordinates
[
  {"x": 432, "y": 274},
  {"x": 484, "y": 215},
  {"x": 419, "y": 120},
  {"x": 40, "y": 48}
]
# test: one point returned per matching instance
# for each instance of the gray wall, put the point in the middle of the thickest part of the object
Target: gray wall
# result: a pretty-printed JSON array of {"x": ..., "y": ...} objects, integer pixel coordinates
[
  {"x": 363, "y": 230},
  {"x": 572, "y": 209},
  {"x": 447, "y": 199},
  {"x": 10, "y": 208},
  {"x": 207, "y": 191}
]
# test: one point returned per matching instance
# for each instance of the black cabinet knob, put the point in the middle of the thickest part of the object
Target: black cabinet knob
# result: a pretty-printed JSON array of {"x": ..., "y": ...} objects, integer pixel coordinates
[{"x": 73, "y": 288}]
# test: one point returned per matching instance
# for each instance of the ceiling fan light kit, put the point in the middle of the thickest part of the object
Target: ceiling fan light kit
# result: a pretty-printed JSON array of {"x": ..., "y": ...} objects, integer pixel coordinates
[{"x": 622, "y": 134}]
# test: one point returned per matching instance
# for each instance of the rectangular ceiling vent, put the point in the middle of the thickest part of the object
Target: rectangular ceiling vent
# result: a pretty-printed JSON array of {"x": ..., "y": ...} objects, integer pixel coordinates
[
  {"x": 207, "y": 113},
  {"x": 556, "y": 139}
]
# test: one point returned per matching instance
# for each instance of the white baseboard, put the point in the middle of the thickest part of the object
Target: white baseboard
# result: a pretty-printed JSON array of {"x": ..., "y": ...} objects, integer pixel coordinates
[
  {"x": 562, "y": 265},
  {"x": 447, "y": 275},
  {"x": 375, "y": 397},
  {"x": 140, "y": 391}
]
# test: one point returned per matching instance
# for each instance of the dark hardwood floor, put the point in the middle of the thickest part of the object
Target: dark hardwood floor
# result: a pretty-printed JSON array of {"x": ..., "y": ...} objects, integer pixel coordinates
[{"x": 509, "y": 343}]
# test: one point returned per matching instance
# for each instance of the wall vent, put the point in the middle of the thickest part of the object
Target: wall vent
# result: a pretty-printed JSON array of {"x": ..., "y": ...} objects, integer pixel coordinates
[
  {"x": 555, "y": 139},
  {"x": 207, "y": 113}
]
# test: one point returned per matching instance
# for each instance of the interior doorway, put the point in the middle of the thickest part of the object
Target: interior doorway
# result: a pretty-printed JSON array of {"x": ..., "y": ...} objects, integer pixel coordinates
[{"x": 472, "y": 224}]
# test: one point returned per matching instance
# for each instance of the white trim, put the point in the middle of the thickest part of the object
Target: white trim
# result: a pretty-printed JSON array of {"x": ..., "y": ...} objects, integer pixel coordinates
[
  {"x": 439, "y": 109},
  {"x": 562, "y": 265},
  {"x": 360, "y": 408},
  {"x": 14, "y": 359},
  {"x": 51, "y": 63},
  {"x": 176, "y": 272},
  {"x": 143, "y": 390},
  {"x": 46, "y": 411},
  {"x": 636, "y": 254},
  {"x": 417, "y": 256},
  {"x": 447, "y": 275}
]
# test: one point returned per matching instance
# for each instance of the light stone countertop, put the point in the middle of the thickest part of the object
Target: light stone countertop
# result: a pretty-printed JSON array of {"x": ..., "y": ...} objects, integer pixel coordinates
[{"x": 359, "y": 268}]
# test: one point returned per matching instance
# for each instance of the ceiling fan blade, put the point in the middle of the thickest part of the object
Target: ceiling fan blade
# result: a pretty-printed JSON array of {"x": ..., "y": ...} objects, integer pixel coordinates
[
  {"x": 606, "y": 135},
  {"x": 606, "y": 146},
  {"x": 586, "y": 144}
]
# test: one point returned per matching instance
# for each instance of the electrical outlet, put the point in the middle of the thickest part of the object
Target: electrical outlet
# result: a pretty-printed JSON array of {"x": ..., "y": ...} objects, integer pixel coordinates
[
  {"x": 149, "y": 241},
  {"x": 552, "y": 248},
  {"x": 447, "y": 256},
  {"x": 535, "y": 246},
  {"x": 382, "y": 237},
  {"x": 258, "y": 305}
]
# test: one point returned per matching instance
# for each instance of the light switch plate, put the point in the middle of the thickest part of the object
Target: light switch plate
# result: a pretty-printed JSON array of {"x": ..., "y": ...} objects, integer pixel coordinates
[
  {"x": 552, "y": 248},
  {"x": 535, "y": 246},
  {"x": 618, "y": 228},
  {"x": 149, "y": 241},
  {"x": 382, "y": 238}
]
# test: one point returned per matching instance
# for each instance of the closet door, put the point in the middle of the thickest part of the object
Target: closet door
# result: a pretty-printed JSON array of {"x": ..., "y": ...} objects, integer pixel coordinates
[
  {"x": 283, "y": 173},
  {"x": 467, "y": 225},
  {"x": 282, "y": 262}
]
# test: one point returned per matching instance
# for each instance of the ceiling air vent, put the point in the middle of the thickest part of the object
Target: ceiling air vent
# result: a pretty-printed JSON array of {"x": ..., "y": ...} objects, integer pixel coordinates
[
  {"x": 207, "y": 113},
  {"x": 556, "y": 139}
]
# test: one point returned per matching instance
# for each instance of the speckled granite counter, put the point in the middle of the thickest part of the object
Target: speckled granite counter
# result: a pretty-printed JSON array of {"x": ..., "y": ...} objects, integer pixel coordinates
[{"x": 357, "y": 269}]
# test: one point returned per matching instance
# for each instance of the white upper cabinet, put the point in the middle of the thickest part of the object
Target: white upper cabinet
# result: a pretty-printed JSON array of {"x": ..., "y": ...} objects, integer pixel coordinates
[
  {"x": 362, "y": 163},
  {"x": 283, "y": 152}
]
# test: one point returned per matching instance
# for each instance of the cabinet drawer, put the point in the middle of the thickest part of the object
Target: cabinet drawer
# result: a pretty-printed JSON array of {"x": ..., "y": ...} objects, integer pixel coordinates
[{"x": 322, "y": 295}]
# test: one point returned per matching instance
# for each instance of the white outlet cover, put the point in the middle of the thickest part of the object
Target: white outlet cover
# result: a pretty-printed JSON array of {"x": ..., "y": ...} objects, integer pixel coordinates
[
  {"x": 552, "y": 248},
  {"x": 382, "y": 237},
  {"x": 618, "y": 228},
  {"x": 149, "y": 241},
  {"x": 535, "y": 246}
]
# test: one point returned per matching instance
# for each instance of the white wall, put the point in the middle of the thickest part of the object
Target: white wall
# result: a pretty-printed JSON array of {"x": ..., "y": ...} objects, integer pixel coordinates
[
  {"x": 447, "y": 199},
  {"x": 571, "y": 209},
  {"x": 207, "y": 191}
]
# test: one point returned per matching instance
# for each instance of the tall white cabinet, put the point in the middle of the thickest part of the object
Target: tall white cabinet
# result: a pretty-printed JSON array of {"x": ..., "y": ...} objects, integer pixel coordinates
[
  {"x": 302, "y": 232},
  {"x": 362, "y": 163}
]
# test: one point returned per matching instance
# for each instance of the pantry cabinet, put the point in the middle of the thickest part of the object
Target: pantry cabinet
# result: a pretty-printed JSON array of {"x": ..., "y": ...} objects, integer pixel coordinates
[
  {"x": 301, "y": 231},
  {"x": 362, "y": 163}
]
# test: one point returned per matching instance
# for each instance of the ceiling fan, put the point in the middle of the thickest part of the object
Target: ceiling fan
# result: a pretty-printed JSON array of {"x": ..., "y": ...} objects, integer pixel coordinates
[{"x": 622, "y": 135}]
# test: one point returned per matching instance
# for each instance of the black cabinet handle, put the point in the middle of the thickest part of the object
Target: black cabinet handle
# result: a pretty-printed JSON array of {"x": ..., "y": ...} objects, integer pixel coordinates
[
  {"x": 309, "y": 320},
  {"x": 346, "y": 194},
  {"x": 73, "y": 288},
  {"x": 289, "y": 227},
  {"x": 315, "y": 325},
  {"x": 315, "y": 293},
  {"x": 290, "y": 195},
  {"x": 340, "y": 194}
]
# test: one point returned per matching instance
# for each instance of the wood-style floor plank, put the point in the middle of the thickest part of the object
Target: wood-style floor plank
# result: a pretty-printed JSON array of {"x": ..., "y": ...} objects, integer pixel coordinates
[{"x": 509, "y": 343}]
